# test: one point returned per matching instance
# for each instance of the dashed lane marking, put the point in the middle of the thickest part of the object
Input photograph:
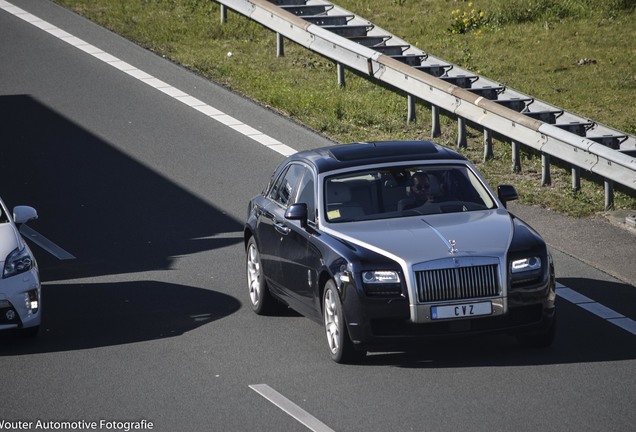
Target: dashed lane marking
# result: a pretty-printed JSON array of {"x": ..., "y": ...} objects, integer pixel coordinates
[
  {"x": 290, "y": 408},
  {"x": 44, "y": 243},
  {"x": 596, "y": 308}
]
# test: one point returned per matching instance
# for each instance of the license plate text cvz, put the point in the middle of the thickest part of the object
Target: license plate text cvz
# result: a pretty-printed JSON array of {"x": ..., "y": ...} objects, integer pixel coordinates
[
  {"x": 461, "y": 310},
  {"x": 464, "y": 310}
]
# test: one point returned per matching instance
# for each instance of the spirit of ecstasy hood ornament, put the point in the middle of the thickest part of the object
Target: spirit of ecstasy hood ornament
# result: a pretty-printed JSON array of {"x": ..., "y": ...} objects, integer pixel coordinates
[{"x": 453, "y": 249}]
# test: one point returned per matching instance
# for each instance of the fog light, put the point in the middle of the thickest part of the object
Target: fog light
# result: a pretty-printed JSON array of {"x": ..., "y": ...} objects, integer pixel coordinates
[
  {"x": 10, "y": 315},
  {"x": 31, "y": 301}
]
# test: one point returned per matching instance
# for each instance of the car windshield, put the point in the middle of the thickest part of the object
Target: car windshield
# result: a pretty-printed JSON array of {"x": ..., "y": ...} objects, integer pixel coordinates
[{"x": 391, "y": 192}]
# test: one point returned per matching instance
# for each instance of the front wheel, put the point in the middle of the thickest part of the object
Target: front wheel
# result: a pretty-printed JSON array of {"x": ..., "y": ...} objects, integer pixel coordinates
[{"x": 341, "y": 348}]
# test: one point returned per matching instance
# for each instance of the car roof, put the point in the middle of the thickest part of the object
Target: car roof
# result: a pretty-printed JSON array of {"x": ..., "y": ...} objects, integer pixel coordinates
[{"x": 374, "y": 152}]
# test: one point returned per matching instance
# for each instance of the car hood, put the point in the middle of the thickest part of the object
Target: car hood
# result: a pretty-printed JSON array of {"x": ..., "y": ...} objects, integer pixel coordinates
[
  {"x": 8, "y": 240},
  {"x": 417, "y": 239}
]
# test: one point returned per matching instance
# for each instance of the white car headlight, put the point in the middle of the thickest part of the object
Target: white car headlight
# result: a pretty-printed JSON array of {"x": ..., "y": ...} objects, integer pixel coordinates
[
  {"x": 526, "y": 264},
  {"x": 18, "y": 261}
]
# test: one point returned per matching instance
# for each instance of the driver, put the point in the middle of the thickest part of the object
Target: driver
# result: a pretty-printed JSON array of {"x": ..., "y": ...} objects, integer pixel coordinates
[{"x": 424, "y": 188}]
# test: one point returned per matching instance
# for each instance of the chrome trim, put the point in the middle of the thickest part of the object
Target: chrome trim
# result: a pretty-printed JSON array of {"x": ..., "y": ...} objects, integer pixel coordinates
[
  {"x": 451, "y": 281},
  {"x": 423, "y": 311},
  {"x": 457, "y": 283}
]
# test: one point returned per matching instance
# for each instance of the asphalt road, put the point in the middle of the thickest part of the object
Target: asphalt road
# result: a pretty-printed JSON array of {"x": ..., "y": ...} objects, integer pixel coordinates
[{"x": 149, "y": 194}]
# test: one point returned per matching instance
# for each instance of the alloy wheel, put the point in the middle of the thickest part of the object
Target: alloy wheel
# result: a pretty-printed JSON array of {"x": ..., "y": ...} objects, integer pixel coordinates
[
  {"x": 332, "y": 322},
  {"x": 254, "y": 274}
]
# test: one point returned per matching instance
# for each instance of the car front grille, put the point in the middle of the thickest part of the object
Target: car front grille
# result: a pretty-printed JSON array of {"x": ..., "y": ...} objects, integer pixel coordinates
[{"x": 457, "y": 283}]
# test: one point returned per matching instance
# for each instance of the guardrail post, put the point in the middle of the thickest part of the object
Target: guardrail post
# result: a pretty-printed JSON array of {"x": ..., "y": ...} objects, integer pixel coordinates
[
  {"x": 411, "y": 115},
  {"x": 461, "y": 132},
  {"x": 576, "y": 177},
  {"x": 546, "y": 179},
  {"x": 341, "y": 77},
  {"x": 609, "y": 194},
  {"x": 516, "y": 157},
  {"x": 488, "y": 153},
  {"x": 280, "y": 45},
  {"x": 436, "y": 129},
  {"x": 223, "y": 14}
]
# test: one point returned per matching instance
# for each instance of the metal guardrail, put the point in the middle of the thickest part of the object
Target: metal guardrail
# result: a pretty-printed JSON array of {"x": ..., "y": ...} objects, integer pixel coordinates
[{"x": 356, "y": 43}]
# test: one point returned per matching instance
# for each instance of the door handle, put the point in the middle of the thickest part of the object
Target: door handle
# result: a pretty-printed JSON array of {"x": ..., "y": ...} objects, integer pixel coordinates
[{"x": 281, "y": 228}]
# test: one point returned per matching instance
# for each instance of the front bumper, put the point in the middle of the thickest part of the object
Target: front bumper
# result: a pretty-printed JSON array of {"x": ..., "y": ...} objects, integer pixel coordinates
[
  {"x": 16, "y": 301},
  {"x": 387, "y": 323}
]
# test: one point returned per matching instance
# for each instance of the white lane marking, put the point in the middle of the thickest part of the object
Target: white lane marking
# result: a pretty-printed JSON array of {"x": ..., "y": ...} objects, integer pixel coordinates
[
  {"x": 265, "y": 140},
  {"x": 146, "y": 78},
  {"x": 571, "y": 295},
  {"x": 596, "y": 308},
  {"x": 290, "y": 408},
  {"x": 44, "y": 243},
  {"x": 625, "y": 323}
]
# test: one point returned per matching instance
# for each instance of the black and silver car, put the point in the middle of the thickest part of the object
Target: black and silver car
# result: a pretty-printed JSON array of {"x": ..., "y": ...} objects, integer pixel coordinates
[{"x": 395, "y": 242}]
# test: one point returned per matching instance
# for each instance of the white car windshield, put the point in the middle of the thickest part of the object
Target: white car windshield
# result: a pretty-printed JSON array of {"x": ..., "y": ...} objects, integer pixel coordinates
[{"x": 391, "y": 192}]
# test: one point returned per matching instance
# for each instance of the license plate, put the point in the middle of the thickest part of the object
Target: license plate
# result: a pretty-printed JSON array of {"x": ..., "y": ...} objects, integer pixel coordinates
[{"x": 461, "y": 310}]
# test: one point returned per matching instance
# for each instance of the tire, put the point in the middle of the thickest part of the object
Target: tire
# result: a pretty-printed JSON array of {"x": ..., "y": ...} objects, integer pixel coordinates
[
  {"x": 543, "y": 339},
  {"x": 339, "y": 343},
  {"x": 261, "y": 300}
]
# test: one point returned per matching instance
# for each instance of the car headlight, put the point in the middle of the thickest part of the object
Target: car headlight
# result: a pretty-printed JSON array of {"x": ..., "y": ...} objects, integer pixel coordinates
[
  {"x": 380, "y": 277},
  {"x": 382, "y": 283},
  {"x": 18, "y": 261},
  {"x": 526, "y": 271},
  {"x": 526, "y": 264}
]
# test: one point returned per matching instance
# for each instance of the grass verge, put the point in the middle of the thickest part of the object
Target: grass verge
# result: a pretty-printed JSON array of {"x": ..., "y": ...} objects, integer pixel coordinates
[{"x": 530, "y": 45}]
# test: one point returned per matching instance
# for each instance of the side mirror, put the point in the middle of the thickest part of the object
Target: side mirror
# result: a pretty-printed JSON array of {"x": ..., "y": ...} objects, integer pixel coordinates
[
  {"x": 297, "y": 211},
  {"x": 507, "y": 193},
  {"x": 23, "y": 214}
]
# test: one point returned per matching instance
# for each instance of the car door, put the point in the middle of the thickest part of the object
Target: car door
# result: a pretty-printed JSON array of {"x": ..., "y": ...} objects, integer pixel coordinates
[
  {"x": 300, "y": 258},
  {"x": 268, "y": 238},
  {"x": 271, "y": 227}
]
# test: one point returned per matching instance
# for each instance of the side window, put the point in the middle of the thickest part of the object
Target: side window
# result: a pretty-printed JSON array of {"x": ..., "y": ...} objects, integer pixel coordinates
[
  {"x": 285, "y": 185},
  {"x": 273, "y": 192},
  {"x": 306, "y": 195}
]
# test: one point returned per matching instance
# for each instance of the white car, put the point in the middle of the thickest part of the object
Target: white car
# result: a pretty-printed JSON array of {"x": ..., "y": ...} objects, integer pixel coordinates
[{"x": 20, "y": 289}]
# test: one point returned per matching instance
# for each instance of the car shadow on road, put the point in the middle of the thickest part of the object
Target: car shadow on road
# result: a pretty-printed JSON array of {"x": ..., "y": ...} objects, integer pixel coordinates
[
  {"x": 116, "y": 216},
  {"x": 112, "y": 212},
  {"x": 581, "y": 337},
  {"x": 82, "y": 316}
]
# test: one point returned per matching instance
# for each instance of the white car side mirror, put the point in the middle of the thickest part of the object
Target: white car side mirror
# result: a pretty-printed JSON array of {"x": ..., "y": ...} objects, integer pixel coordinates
[{"x": 23, "y": 214}]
